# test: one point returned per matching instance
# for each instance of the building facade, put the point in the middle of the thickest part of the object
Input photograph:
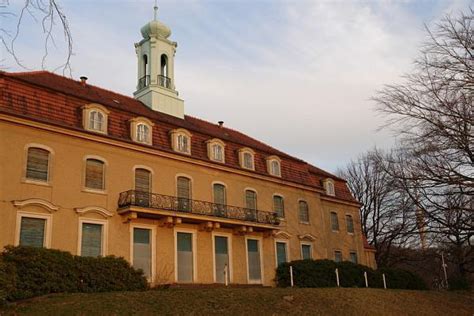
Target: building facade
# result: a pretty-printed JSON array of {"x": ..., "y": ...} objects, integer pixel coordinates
[{"x": 96, "y": 173}]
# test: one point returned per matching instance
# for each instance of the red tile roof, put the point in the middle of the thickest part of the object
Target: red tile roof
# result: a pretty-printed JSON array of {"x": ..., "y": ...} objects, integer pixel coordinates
[{"x": 54, "y": 99}]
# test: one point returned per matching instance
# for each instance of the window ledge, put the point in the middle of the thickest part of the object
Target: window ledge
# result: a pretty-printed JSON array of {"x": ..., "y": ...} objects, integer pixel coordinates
[
  {"x": 305, "y": 223},
  {"x": 335, "y": 231},
  {"x": 37, "y": 182},
  {"x": 352, "y": 234},
  {"x": 94, "y": 191},
  {"x": 96, "y": 131}
]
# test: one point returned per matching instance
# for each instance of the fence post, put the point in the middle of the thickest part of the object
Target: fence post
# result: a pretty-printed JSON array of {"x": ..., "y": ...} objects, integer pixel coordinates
[
  {"x": 384, "y": 281},
  {"x": 226, "y": 274},
  {"x": 337, "y": 277},
  {"x": 291, "y": 276},
  {"x": 366, "y": 281}
]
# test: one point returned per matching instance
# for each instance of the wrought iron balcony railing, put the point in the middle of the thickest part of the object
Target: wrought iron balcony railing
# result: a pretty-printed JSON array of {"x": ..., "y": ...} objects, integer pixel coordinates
[
  {"x": 176, "y": 204},
  {"x": 143, "y": 82},
  {"x": 164, "y": 81}
]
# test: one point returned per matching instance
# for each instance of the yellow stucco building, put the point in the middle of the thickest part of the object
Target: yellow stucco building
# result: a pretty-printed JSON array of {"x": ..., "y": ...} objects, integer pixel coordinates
[{"x": 96, "y": 173}]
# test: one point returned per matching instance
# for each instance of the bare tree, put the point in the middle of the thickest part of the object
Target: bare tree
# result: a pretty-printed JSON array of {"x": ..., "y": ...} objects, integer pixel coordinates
[
  {"x": 50, "y": 16},
  {"x": 388, "y": 216},
  {"x": 433, "y": 112}
]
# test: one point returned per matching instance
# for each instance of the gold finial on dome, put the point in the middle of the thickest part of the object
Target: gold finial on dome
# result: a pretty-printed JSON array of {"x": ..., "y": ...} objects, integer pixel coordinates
[{"x": 155, "y": 28}]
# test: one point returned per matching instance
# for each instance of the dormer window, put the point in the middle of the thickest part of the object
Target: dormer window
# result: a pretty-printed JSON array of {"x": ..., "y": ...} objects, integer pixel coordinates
[
  {"x": 274, "y": 166},
  {"x": 141, "y": 130},
  {"x": 329, "y": 187},
  {"x": 246, "y": 158},
  {"x": 216, "y": 150},
  {"x": 94, "y": 118},
  {"x": 181, "y": 141}
]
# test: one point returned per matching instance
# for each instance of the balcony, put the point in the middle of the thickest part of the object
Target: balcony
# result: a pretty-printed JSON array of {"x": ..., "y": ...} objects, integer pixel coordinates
[
  {"x": 152, "y": 205},
  {"x": 143, "y": 82},
  {"x": 164, "y": 81}
]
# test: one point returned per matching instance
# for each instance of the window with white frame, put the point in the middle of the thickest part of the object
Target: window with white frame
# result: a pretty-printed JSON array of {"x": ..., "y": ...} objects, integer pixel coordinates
[
  {"x": 349, "y": 224},
  {"x": 334, "y": 221},
  {"x": 95, "y": 174},
  {"x": 181, "y": 141},
  {"x": 216, "y": 150},
  {"x": 329, "y": 187},
  {"x": 141, "y": 130},
  {"x": 306, "y": 251},
  {"x": 37, "y": 164},
  {"x": 246, "y": 158},
  {"x": 303, "y": 211},
  {"x": 143, "y": 133},
  {"x": 33, "y": 230},
  {"x": 274, "y": 166},
  {"x": 92, "y": 238},
  {"x": 95, "y": 118}
]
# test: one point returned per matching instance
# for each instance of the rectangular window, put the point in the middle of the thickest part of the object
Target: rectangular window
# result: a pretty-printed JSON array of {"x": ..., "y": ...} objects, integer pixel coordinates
[
  {"x": 142, "y": 180},
  {"x": 306, "y": 252},
  {"x": 334, "y": 221},
  {"x": 337, "y": 256},
  {"x": 32, "y": 232},
  {"x": 350, "y": 224},
  {"x": 281, "y": 253},
  {"x": 184, "y": 194},
  {"x": 91, "y": 241},
  {"x": 37, "y": 165},
  {"x": 95, "y": 174},
  {"x": 248, "y": 160},
  {"x": 353, "y": 255},
  {"x": 303, "y": 212},
  {"x": 185, "y": 257},
  {"x": 222, "y": 258},
  {"x": 254, "y": 264},
  {"x": 278, "y": 206},
  {"x": 142, "y": 251},
  {"x": 251, "y": 199}
]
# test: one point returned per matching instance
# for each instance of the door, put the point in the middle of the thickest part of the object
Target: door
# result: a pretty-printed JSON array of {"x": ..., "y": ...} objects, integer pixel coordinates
[
  {"x": 281, "y": 253},
  {"x": 185, "y": 260},
  {"x": 142, "y": 257},
  {"x": 254, "y": 264},
  {"x": 221, "y": 252}
]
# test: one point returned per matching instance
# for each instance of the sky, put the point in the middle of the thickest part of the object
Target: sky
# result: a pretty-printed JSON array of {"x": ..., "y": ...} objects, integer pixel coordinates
[{"x": 298, "y": 75}]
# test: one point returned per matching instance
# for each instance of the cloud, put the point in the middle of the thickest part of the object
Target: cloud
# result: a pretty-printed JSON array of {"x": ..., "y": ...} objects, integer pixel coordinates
[{"x": 296, "y": 75}]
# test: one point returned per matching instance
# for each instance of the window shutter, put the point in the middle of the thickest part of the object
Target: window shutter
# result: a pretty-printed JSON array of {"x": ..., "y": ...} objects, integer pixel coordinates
[
  {"x": 304, "y": 212},
  {"x": 142, "y": 180},
  {"x": 278, "y": 206},
  {"x": 91, "y": 244},
  {"x": 251, "y": 200},
  {"x": 184, "y": 188},
  {"x": 32, "y": 232},
  {"x": 94, "y": 174},
  {"x": 219, "y": 194},
  {"x": 37, "y": 164}
]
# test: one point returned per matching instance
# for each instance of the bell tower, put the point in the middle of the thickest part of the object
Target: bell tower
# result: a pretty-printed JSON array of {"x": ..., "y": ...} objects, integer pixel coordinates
[{"x": 155, "y": 84}]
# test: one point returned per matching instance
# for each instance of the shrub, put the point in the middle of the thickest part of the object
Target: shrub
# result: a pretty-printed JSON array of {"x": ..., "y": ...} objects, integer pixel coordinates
[
  {"x": 457, "y": 283},
  {"x": 39, "y": 271},
  {"x": 321, "y": 273},
  {"x": 7, "y": 281}
]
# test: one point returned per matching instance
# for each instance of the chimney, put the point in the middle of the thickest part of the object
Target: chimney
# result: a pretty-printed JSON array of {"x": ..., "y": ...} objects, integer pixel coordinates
[
  {"x": 83, "y": 81},
  {"x": 221, "y": 123}
]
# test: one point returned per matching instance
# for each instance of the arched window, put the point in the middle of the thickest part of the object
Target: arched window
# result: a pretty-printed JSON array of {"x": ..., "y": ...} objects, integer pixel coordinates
[
  {"x": 275, "y": 167},
  {"x": 145, "y": 65},
  {"x": 96, "y": 121},
  {"x": 142, "y": 180},
  {"x": 248, "y": 160},
  {"x": 184, "y": 194},
  {"x": 164, "y": 65},
  {"x": 329, "y": 186},
  {"x": 143, "y": 133},
  {"x": 219, "y": 194},
  {"x": 95, "y": 174},
  {"x": 303, "y": 211},
  {"x": 183, "y": 143},
  {"x": 218, "y": 152},
  {"x": 250, "y": 199},
  {"x": 37, "y": 164},
  {"x": 278, "y": 206}
]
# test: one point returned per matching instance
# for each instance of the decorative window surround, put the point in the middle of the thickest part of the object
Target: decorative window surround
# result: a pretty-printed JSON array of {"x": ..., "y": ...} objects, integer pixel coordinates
[
  {"x": 141, "y": 130},
  {"x": 181, "y": 141},
  {"x": 216, "y": 150},
  {"x": 247, "y": 158},
  {"x": 87, "y": 116},
  {"x": 274, "y": 166}
]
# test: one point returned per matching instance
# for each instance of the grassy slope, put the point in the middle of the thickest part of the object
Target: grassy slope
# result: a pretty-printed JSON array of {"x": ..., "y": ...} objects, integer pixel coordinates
[{"x": 261, "y": 301}]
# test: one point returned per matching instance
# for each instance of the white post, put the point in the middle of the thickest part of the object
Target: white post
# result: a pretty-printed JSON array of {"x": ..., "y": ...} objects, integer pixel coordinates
[
  {"x": 337, "y": 277},
  {"x": 226, "y": 275},
  {"x": 291, "y": 276},
  {"x": 384, "y": 281},
  {"x": 444, "y": 269},
  {"x": 366, "y": 281}
]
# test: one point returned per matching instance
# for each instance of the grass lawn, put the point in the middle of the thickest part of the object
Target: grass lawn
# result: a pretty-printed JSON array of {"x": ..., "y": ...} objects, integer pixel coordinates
[{"x": 251, "y": 301}]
